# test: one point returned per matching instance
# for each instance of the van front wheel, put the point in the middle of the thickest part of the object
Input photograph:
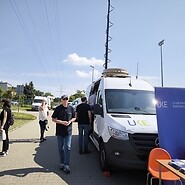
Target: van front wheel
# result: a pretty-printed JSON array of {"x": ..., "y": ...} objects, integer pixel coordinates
[{"x": 103, "y": 158}]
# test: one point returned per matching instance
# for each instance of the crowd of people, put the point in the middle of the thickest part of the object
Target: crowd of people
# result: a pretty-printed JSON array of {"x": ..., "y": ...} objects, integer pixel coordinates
[{"x": 64, "y": 115}]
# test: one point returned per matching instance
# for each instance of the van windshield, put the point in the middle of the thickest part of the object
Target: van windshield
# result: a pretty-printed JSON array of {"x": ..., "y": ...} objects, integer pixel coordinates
[
  {"x": 130, "y": 101},
  {"x": 37, "y": 101}
]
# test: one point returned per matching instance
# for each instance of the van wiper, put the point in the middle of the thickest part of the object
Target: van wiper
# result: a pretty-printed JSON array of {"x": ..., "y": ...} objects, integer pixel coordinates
[{"x": 139, "y": 109}]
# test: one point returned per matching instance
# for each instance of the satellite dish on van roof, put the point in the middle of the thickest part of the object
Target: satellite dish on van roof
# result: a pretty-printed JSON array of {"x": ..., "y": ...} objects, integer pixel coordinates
[{"x": 115, "y": 72}]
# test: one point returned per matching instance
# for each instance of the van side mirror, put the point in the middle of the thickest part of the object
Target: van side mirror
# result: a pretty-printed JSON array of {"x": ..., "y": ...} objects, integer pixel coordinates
[{"x": 98, "y": 109}]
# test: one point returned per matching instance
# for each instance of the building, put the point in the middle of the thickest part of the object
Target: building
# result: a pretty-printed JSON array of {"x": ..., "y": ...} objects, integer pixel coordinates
[{"x": 5, "y": 85}]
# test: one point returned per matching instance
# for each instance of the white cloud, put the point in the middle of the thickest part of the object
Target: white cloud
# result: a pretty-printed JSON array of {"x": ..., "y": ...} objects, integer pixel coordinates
[
  {"x": 83, "y": 74},
  {"x": 83, "y": 61}
]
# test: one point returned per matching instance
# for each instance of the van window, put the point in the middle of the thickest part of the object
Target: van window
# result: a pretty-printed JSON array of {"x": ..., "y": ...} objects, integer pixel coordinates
[
  {"x": 100, "y": 99},
  {"x": 130, "y": 101}
]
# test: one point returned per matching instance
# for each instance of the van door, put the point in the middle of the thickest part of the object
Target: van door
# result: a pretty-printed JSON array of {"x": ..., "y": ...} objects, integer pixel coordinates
[{"x": 99, "y": 118}]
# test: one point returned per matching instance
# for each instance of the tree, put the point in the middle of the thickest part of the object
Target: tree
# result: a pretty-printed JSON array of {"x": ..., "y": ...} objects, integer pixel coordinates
[
  {"x": 78, "y": 94},
  {"x": 8, "y": 94},
  {"x": 39, "y": 93},
  {"x": 29, "y": 92},
  {"x": 2, "y": 92},
  {"x": 48, "y": 94}
]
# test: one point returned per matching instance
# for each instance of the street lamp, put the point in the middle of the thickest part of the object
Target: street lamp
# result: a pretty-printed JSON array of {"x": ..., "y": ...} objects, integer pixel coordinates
[
  {"x": 161, "y": 44},
  {"x": 92, "y": 72}
]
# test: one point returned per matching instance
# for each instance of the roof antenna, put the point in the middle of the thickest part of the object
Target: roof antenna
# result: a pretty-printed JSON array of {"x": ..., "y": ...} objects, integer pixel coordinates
[
  {"x": 108, "y": 38},
  {"x": 130, "y": 84},
  {"x": 137, "y": 70}
]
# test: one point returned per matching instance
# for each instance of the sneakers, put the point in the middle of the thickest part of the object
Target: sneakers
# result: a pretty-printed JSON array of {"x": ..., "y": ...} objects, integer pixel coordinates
[
  {"x": 61, "y": 166},
  {"x": 66, "y": 169},
  {"x": 3, "y": 154},
  {"x": 42, "y": 140}
]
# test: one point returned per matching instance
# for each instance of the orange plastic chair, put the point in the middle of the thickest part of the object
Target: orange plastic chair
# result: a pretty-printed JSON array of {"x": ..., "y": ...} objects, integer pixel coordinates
[{"x": 153, "y": 166}]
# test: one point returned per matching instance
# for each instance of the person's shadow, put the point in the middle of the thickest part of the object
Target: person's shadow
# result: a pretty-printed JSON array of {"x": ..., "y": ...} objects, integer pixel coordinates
[
  {"x": 84, "y": 167},
  {"x": 47, "y": 158},
  {"x": 81, "y": 165}
]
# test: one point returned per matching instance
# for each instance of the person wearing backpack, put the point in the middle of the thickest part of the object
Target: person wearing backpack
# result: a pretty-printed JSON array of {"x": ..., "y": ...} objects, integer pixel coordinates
[{"x": 4, "y": 118}]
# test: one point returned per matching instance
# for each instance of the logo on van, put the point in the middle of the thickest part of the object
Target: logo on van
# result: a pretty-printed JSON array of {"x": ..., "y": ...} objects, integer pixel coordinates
[{"x": 138, "y": 122}]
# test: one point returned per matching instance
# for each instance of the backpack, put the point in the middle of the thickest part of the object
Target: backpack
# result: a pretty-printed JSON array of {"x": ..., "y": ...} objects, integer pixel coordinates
[{"x": 11, "y": 120}]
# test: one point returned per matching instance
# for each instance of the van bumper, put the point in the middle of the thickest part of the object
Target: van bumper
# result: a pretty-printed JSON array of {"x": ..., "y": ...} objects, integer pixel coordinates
[{"x": 122, "y": 154}]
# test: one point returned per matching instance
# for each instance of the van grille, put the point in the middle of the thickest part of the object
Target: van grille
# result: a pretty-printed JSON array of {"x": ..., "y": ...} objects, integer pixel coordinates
[{"x": 143, "y": 143}]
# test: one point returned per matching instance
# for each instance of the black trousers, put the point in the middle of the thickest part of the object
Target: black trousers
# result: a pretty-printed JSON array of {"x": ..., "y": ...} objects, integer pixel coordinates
[{"x": 42, "y": 128}]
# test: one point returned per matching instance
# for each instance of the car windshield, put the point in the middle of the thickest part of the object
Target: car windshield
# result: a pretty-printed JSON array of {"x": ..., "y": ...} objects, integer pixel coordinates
[{"x": 130, "y": 101}]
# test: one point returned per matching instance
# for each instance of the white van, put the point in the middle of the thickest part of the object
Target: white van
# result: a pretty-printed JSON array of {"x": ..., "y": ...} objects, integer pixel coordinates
[
  {"x": 75, "y": 102},
  {"x": 38, "y": 101},
  {"x": 125, "y": 125}
]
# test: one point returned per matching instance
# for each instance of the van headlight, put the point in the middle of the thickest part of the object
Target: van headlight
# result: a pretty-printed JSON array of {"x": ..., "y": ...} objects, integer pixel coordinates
[{"x": 118, "y": 134}]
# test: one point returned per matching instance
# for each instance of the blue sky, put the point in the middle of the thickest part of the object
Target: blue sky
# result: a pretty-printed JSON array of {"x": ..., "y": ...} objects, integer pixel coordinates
[{"x": 53, "y": 42}]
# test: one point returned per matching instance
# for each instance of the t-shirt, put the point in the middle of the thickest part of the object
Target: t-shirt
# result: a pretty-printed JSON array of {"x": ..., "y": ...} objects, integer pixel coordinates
[
  {"x": 82, "y": 113},
  {"x": 43, "y": 112},
  {"x": 8, "y": 110},
  {"x": 64, "y": 114}
]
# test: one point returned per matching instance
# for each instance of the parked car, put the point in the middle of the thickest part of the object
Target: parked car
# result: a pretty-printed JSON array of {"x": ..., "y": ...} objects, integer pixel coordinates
[
  {"x": 55, "y": 104},
  {"x": 14, "y": 102},
  {"x": 76, "y": 102}
]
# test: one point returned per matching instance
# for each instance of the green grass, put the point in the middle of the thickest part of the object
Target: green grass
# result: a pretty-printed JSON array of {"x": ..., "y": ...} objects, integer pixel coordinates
[
  {"x": 25, "y": 107},
  {"x": 21, "y": 119}
]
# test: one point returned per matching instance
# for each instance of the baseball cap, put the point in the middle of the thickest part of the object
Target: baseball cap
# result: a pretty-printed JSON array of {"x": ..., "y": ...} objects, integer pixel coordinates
[{"x": 64, "y": 96}]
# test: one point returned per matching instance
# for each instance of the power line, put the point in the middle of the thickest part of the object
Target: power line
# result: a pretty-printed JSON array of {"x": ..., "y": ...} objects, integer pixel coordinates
[
  {"x": 28, "y": 36},
  {"x": 38, "y": 39},
  {"x": 52, "y": 38}
]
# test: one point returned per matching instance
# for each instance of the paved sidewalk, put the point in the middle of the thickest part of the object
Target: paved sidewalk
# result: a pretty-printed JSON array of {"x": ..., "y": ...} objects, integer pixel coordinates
[{"x": 30, "y": 162}]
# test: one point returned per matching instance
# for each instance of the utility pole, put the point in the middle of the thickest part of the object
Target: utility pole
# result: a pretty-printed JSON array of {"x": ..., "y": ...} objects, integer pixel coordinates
[
  {"x": 137, "y": 70},
  {"x": 161, "y": 44},
  {"x": 92, "y": 72},
  {"x": 107, "y": 37}
]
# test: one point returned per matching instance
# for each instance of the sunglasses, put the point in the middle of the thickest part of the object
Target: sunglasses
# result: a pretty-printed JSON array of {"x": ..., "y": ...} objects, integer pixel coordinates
[{"x": 65, "y": 99}]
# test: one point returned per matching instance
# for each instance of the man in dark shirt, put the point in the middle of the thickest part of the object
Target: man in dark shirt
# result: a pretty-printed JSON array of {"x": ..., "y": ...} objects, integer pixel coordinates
[
  {"x": 83, "y": 115},
  {"x": 63, "y": 116}
]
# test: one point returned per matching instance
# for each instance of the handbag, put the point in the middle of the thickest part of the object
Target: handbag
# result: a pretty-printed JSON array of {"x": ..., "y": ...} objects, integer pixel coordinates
[
  {"x": 2, "y": 135},
  {"x": 47, "y": 125}
]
